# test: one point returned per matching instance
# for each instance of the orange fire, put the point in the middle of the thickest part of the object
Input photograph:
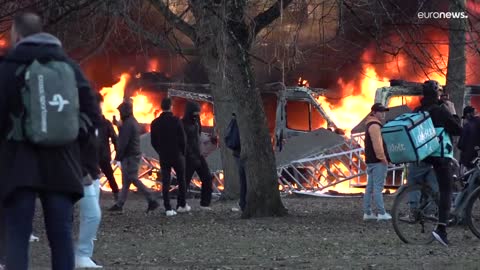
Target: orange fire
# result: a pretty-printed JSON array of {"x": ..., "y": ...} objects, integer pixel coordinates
[
  {"x": 351, "y": 109},
  {"x": 302, "y": 82},
  {"x": 153, "y": 65},
  {"x": 145, "y": 111}
]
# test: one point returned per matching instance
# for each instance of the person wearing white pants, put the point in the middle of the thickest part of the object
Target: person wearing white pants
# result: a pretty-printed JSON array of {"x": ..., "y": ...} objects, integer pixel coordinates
[
  {"x": 90, "y": 213},
  {"x": 90, "y": 216}
]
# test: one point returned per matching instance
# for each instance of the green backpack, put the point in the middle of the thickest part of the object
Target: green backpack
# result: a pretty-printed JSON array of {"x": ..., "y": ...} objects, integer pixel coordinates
[{"x": 51, "y": 113}]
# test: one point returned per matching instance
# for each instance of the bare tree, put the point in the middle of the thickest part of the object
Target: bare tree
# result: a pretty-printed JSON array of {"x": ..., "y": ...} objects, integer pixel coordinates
[
  {"x": 456, "y": 71},
  {"x": 223, "y": 35}
]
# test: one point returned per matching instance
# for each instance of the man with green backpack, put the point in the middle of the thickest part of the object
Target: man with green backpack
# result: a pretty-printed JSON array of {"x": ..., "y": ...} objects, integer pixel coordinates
[{"x": 44, "y": 105}]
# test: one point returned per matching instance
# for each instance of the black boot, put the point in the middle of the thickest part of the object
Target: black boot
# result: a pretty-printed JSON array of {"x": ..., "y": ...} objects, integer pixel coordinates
[
  {"x": 440, "y": 234},
  {"x": 152, "y": 205}
]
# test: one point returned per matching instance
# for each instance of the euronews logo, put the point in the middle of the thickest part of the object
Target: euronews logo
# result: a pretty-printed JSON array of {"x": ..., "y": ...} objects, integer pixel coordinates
[{"x": 442, "y": 15}]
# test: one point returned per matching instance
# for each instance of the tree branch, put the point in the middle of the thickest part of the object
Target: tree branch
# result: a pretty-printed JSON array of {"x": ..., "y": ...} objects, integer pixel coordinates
[
  {"x": 175, "y": 20},
  {"x": 158, "y": 39},
  {"x": 268, "y": 16}
]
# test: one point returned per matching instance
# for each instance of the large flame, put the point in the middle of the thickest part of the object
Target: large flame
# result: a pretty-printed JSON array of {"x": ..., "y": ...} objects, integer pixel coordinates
[
  {"x": 360, "y": 92},
  {"x": 352, "y": 109}
]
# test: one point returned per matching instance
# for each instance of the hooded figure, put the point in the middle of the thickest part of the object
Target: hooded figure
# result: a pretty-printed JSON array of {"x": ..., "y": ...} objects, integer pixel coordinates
[
  {"x": 129, "y": 157},
  {"x": 441, "y": 117},
  {"x": 129, "y": 133},
  {"x": 195, "y": 162}
]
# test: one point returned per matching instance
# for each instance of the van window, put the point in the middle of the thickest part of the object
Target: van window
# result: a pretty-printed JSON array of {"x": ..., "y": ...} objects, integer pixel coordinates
[
  {"x": 303, "y": 116},
  {"x": 297, "y": 115}
]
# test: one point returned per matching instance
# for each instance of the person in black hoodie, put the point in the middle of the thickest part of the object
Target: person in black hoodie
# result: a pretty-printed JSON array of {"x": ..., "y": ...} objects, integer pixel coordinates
[
  {"x": 105, "y": 134},
  {"x": 168, "y": 139},
  {"x": 195, "y": 161},
  {"x": 441, "y": 117},
  {"x": 470, "y": 137},
  {"x": 26, "y": 170},
  {"x": 128, "y": 157}
]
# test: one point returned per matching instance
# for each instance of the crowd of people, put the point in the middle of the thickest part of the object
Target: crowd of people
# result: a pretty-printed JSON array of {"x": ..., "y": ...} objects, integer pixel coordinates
[{"x": 61, "y": 164}]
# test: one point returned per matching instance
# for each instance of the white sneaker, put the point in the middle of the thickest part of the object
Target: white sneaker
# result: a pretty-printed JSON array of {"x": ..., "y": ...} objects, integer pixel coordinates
[
  {"x": 206, "y": 208},
  {"x": 170, "y": 213},
  {"x": 185, "y": 209},
  {"x": 369, "y": 217},
  {"x": 385, "y": 216},
  {"x": 85, "y": 262},
  {"x": 33, "y": 238},
  {"x": 236, "y": 209}
]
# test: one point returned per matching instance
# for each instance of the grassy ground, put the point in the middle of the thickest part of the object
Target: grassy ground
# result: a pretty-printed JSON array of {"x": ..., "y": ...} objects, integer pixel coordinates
[{"x": 319, "y": 233}]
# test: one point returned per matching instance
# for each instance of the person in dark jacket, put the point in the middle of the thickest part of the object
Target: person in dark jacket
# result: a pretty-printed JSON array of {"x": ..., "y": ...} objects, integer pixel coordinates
[
  {"x": 232, "y": 141},
  {"x": 128, "y": 157},
  {"x": 26, "y": 171},
  {"x": 106, "y": 133},
  {"x": 195, "y": 161},
  {"x": 168, "y": 140},
  {"x": 441, "y": 117},
  {"x": 470, "y": 137}
]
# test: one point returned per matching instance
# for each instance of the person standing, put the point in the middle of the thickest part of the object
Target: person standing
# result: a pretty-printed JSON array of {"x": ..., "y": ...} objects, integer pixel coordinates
[
  {"x": 441, "y": 118},
  {"x": 169, "y": 141},
  {"x": 90, "y": 213},
  {"x": 106, "y": 133},
  {"x": 470, "y": 137},
  {"x": 232, "y": 141},
  {"x": 377, "y": 164},
  {"x": 38, "y": 62},
  {"x": 128, "y": 157},
  {"x": 195, "y": 161}
]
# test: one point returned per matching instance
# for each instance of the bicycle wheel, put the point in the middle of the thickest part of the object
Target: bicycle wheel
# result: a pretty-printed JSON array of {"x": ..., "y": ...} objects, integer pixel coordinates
[
  {"x": 415, "y": 214},
  {"x": 472, "y": 213}
]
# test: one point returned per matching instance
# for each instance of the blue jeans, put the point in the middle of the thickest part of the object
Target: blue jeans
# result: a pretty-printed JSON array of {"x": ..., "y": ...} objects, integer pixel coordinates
[
  {"x": 376, "y": 174},
  {"x": 90, "y": 215},
  {"x": 58, "y": 215},
  {"x": 418, "y": 174}
]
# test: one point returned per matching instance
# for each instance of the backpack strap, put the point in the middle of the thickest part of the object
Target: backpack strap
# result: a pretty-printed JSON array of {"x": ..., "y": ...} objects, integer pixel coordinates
[{"x": 17, "y": 131}]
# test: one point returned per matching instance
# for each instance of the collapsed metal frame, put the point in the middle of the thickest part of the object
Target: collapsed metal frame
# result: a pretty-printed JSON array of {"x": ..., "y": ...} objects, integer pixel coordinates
[
  {"x": 313, "y": 175},
  {"x": 150, "y": 171}
]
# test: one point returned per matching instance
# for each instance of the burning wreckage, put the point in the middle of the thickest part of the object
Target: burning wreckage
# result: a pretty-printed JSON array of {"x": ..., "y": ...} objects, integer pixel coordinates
[{"x": 315, "y": 157}]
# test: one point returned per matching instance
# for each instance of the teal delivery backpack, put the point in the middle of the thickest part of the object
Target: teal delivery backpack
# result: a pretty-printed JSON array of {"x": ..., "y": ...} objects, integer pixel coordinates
[
  {"x": 446, "y": 146},
  {"x": 411, "y": 137}
]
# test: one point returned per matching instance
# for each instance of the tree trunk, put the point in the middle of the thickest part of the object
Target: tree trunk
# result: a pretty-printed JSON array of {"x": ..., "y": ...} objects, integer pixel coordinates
[
  {"x": 223, "y": 40},
  {"x": 223, "y": 110},
  {"x": 455, "y": 85},
  {"x": 224, "y": 52},
  {"x": 263, "y": 196}
]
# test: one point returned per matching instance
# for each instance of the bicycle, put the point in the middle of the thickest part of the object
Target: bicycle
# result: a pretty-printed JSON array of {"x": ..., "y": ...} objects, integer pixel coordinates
[{"x": 415, "y": 208}]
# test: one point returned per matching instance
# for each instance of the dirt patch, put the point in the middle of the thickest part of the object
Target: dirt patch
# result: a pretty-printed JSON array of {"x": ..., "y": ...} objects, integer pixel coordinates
[{"x": 319, "y": 233}]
